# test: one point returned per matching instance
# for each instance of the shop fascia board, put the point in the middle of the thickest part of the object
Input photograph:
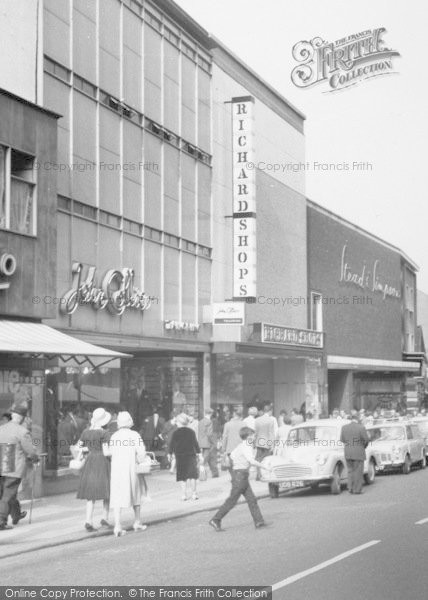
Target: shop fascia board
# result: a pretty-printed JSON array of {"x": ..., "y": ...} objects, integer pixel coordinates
[
  {"x": 265, "y": 350},
  {"x": 370, "y": 364},
  {"x": 132, "y": 344}
]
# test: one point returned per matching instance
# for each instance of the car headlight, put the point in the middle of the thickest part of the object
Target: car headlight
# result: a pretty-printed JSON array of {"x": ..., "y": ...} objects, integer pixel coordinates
[{"x": 321, "y": 459}]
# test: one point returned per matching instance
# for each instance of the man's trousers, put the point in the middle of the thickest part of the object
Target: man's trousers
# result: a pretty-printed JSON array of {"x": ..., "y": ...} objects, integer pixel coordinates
[
  {"x": 355, "y": 475},
  {"x": 8, "y": 491},
  {"x": 240, "y": 485}
]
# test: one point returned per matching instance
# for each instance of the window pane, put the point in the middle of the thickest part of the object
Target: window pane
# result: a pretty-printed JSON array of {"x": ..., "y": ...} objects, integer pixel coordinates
[
  {"x": 2, "y": 187},
  {"x": 21, "y": 206}
]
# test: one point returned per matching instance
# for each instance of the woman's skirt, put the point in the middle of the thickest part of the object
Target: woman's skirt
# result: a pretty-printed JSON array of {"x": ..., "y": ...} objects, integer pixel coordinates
[
  {"x": 94, "y": 481},
  {"x": 187, "y": 467}
]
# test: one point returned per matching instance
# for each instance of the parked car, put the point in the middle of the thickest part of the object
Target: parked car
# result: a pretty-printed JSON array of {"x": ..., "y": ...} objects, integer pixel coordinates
[
  {"x": 313, "y": 455},
  {"x": 422, "y": 423},
  {"x": 397, "y": 445}
]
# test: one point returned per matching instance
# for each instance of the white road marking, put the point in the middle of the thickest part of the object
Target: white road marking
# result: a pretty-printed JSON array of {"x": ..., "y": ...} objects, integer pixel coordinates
[
  {"x": 323, "y": 565},
  {"x": 422, "y": 521}
]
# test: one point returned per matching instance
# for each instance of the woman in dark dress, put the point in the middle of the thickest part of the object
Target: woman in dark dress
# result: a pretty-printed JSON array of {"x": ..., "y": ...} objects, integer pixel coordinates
[
  {"x": 94, "y": 481},
  {"x": 185, "y": 448}
]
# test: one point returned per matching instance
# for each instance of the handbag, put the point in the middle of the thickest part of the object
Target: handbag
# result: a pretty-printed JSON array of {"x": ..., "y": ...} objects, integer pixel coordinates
[
  {"x": 202, "y": 473},
  {"x": 7, "y": 458},
  {"x": 148, "y": 464},
  {"x": 78, "y": 460},
  {"x": 76, "y": 464}
]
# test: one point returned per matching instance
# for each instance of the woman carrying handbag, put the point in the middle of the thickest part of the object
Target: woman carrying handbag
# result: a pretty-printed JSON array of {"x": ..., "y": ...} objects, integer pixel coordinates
[
  {"x": 94, "y": 481},
  {"x": 127, "y": 450}
]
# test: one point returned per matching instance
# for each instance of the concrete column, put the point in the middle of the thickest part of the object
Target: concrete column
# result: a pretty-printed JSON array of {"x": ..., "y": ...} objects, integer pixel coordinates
[{"x": 206, "y": 380}]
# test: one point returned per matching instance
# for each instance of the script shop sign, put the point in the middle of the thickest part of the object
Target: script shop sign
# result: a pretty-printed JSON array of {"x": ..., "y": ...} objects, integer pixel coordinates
[
  {"x": 116, "y": 292},
  {"x": 244, "y": 198}
]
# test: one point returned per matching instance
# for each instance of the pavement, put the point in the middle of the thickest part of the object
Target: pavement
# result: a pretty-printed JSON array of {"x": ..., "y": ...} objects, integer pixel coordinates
[
  {"x": 318, "y": 547},
  {"x": 58, "y": 520}
]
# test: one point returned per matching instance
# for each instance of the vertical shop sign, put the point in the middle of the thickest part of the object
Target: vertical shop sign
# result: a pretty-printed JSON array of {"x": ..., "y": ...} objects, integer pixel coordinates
[{"x": 244, "y": 198}]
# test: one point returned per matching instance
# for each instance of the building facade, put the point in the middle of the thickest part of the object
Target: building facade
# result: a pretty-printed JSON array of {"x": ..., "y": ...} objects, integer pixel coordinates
[
  {"x": 362, "y": 293},
  {"x": 178, "y": 240}
]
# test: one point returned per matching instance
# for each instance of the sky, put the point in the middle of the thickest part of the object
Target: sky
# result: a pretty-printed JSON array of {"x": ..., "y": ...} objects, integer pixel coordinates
[{"x": 382, "y": 121}]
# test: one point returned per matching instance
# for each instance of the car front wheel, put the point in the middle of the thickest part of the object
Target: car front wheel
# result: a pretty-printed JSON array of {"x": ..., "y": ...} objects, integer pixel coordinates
[
  {"x": 407, "y": 465},
  {"x": 335, "y": 484},
  {"x": 273, "y": 490},
  {"x": 369, "y": 477}
]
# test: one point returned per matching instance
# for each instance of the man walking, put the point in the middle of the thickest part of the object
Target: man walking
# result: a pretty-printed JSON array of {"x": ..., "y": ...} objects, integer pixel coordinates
[
  {"x": 208, "y": 442},
  {"x": 354, "y": 437},
  {"x": 16, "y": 446},
  {"x": 266, "y": 428},
  {"x": 250, "y": 420},
  {"x": 241, "y": 458},
  {"x": 231, "y": 430}
]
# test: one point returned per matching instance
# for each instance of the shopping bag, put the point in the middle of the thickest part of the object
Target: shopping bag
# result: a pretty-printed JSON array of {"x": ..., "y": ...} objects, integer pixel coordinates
[
  {"x": 202, "y": 473},
  {"x": 225, "y": 463}
]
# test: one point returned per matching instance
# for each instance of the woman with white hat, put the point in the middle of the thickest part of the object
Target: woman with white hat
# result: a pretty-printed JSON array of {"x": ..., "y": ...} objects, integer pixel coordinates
[
  {"x": 126, "y": 449},
  {"x": 94, "y": 481}
]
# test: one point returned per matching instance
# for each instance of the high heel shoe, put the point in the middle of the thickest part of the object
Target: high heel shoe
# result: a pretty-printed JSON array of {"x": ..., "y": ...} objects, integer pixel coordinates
[
  {"x": 119, "y": 532},
  {"x": 139, "y": 527},
  {"x": 90, "y": 528}
]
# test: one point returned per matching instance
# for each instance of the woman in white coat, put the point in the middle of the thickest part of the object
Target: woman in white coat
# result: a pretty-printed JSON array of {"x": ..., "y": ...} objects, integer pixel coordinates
[{"x": 126, "y": 449}]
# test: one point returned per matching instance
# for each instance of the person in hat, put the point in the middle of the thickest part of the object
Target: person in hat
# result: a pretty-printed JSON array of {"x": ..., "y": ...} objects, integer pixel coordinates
[
  {"x": 184, "y": 446},
  {"x": 16, "y": 446},
  {"x": 126, "y": 448},
  {"x": 94, "y": 481}
]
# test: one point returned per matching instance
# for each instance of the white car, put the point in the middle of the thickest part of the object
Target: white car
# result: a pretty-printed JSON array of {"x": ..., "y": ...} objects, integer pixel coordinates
[
  {"x": 397, "y": 445},
  {"x": 422, "y": 423},
  {"x": 312, "y": 455}
]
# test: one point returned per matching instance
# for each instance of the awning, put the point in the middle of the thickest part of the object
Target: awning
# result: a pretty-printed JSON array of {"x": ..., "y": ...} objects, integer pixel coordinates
[
  {"x": 371, "y": 364},
  {"x": 41, "y": 341}
]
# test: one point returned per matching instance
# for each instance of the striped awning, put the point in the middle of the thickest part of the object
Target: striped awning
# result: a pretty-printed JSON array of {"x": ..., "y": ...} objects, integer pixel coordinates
[{"x": 41, "y": 341}]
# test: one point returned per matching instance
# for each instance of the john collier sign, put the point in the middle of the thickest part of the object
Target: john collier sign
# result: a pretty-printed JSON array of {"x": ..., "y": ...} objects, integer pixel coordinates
[
  {"x": 116, "y": 293},
  {"x": 244, "y": 198}
]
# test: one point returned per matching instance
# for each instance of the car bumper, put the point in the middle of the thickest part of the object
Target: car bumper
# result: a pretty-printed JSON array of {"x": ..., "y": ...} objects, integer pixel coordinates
[
  {"x": 389, "y": 465},
  {"x": 308, "y": 481}
]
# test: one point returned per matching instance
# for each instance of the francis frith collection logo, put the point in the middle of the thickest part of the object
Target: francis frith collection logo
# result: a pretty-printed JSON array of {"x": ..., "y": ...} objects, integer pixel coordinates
[{"x": 343, "y": 63}]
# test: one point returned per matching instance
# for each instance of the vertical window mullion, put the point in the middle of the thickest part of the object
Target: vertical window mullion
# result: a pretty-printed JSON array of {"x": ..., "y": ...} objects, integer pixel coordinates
[{"x": 7, "y": 181}]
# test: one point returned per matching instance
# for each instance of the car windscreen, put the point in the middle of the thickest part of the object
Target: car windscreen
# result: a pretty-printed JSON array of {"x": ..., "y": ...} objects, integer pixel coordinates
[
  {"x": 386, "y": 433},
  {"x": 315, "y": 434}
]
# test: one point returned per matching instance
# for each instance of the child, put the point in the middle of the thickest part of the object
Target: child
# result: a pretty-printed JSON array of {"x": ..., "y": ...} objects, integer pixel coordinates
[{"x": 241, "y": 458}]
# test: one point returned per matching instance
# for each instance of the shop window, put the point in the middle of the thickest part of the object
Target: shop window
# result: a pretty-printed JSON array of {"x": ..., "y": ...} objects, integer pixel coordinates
[
  {"x": 72, "y": 393},
  {"x": 17, "y": 191},
  {"x": 162, "y": 382},
  {"x": 316, "y": 311}
]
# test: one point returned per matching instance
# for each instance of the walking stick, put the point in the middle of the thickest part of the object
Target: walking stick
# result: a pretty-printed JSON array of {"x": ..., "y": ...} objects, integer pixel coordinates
[
  {"x": 35, "y": 465},
  {"x": 32, "y": 492}
]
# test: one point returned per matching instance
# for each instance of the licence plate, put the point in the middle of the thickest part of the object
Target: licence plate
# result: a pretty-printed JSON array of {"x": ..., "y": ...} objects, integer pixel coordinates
[{"x": 288, "y": 485}]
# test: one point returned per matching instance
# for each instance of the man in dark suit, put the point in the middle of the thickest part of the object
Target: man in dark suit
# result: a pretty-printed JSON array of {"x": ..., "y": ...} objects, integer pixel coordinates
[
  {"x": 151, "y": 431},
  {"x": 355, "y": 439},
  {"x": 208, "y": 441}
]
